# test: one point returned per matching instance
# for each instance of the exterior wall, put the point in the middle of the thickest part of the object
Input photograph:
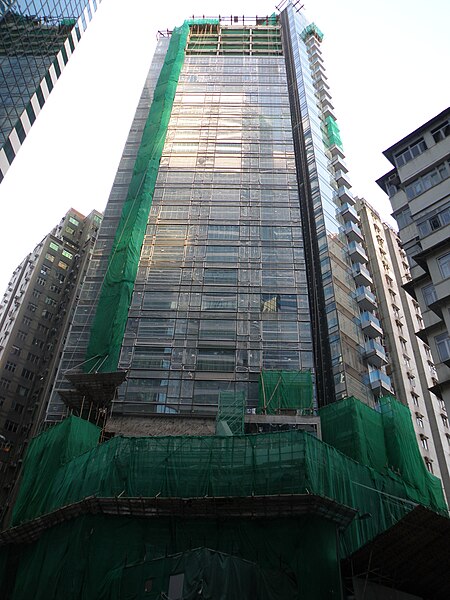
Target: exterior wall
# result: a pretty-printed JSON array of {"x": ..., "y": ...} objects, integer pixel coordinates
[
  {"x": 410, "y": 364},
  {"x": 36, "y": 42},
  {"x": 419, "y": 191},
  {"x": 36, "y": 311},
  {"x": 163, "y": 425}
]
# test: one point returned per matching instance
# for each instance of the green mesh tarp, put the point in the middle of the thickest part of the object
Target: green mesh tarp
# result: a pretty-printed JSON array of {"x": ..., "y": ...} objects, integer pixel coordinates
[
  {"x": 281, "y": 391},
  {"x": 206, "y": 573},
  {"x": 311, "y": 29},
  {"x": 385, "y": 440},
  {"x": 333, "y": 133},
  {"x": 290, "y": 462},
  {"x": 49, "y": 451},
  {"x": 115, "y": 296},
  {"x": 356, "y": 430},
  {"x": 89, "y": 558},
  {"x": 231, "y": 411},
  {"x": 401, "y": 445}
]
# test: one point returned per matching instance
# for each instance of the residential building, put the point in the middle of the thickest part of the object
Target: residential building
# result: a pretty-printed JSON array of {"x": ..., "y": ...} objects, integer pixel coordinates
[
  {"x": 419, "y": 190},
  {"x": 411, "y": 366},
  {"x": 36, "y": 40},
  {"x": 34, "y": 317}
]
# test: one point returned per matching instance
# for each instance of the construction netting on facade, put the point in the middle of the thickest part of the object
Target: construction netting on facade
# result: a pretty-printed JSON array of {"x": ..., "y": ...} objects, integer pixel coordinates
[
  {"x": 291, "y": 462},
  {"x": 355, "y": 429},
  {"x": 109, "y": 557},
  {"x": 285, "y": 391},
  {"x": 117, "y": 288},
  {"x": 231, "y": 411},
  {"x": 333, "y": 133},
  {"x": 383, "y": 439}
]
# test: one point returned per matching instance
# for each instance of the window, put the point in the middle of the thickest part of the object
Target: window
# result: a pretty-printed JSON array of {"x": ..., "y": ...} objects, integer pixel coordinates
[
  {"x": 17, "y": 407},
  {"x": 444, "y": 420},
  {"x": 424, "y": 442},
  {"x": 10, "y": 426},
  {"x": 27, "y": 374},
  {"x": 67, "y": 254},
  {"x": 73, "y": 221},
  {"x": 15, "y": 350},
  {"x": 441, "y": 132},
  {"x": 47, "y": 315},
  {"x": 415, "y": 399},
  {"x": 63, "y": 265},
  {"x": 429, "y": 464},
  {"x": 429, "y": 294},
  {"x": 49, "y": 257},
  {"x": 32, "y": 358},
  {"x": 403, "y": 157},
  {"x": 69, "y": 230},
  {"x": 444, "y": 265},
  {"x": 36, "y": 293},
  {"x": 403, "y": 218},
  {"x": 40, "y": 281},
  {"x": 54, "y": 246},
  {"x": 5, "y": 383},
  {"x": 427, "y": 181},
  {"x": 10, "y": 366},
  {"x": 21, "y": 335},
  {"x": 419, "y": 419},
  {"x": 44, "y": 270},
  {"x": 443, "y": 346},
  {"x": 27, "y": 321},
  {"x": 31, "y": 307},
  {"x": 50, "y": 301},
  {"x": 216, "y": 359},
  {"x": 22, "y": 391},
  {"x": 278, "y": 303}
]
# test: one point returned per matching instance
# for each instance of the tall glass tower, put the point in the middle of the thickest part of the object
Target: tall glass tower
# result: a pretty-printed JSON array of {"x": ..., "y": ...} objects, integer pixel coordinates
[
  {"x": 37, "y": 39},
  {"x": 230, "y": 246}
]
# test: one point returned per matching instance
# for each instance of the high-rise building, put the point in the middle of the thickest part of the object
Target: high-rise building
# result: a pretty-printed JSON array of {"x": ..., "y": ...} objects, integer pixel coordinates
[
  {"x": 34, "y": 317},
  {"x": 36, "y": 40},
  {"x": 419, "y": 190},
  {"x": 227, "y": 294},
  {"x": 411, "y": 366},
  {"x": 226, "y": 243}
]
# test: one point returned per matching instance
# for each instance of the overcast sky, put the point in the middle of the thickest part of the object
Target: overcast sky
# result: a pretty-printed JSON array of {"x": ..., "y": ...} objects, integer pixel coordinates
[{"x": 387, "y": 66}]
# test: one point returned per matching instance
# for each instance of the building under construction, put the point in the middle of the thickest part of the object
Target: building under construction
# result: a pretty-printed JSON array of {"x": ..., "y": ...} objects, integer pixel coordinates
[{"x": 218, "y": 427}]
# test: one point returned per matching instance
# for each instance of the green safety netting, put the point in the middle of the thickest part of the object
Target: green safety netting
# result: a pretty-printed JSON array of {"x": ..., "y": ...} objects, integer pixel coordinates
[
  {"x": 202, "y": 21},
  {"x": 382, "y": 440},
  {"x": 311, "y": 29},
  {"x": 231, "y": 411},
  {"x": 50, "y": 450},
  {"x": 115, "y": 296},
  {"x": 291, "y": 462},
  {"x": 356, "y": 430},
  {"x": 281, "y": 391},
  {"x": 333, "y": 133},
  {"x": 96, "y": 556}
]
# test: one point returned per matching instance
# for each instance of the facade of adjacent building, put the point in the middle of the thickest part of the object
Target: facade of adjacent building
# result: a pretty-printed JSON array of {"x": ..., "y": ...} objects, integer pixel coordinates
[
  {"x": 34, "y": 316},
  {"x": 419, "y": 191},
  {"x": 244, "y": 263},
  {"x": 36, "y": 41},
  {"x": 409, "y": 359}
]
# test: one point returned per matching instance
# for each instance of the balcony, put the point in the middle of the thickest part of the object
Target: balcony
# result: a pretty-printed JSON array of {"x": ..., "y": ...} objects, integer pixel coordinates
[
  {"x": 361, "y": 275},
  {"x": 380, "y": 383},
  {"x": 375, "y": 354},
  {"x": 327, "y": 109},
  {"x": 336, "y": 151},
  {"x": 365, "y": 299},
  {"x": 357, "y": 252},
  {"x": 370, "y": 325},
  {"x": 349, "y": 213},
  {"x": 345, "y": 195},
  {"x": 353, "y": 232},
  {"x": 342, "y": 179},
  {"x": 339, "y": 164}
]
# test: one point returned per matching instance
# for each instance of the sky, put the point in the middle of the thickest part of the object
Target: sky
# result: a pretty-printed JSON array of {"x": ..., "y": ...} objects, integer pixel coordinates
[{"x": 387, "y": 67}]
